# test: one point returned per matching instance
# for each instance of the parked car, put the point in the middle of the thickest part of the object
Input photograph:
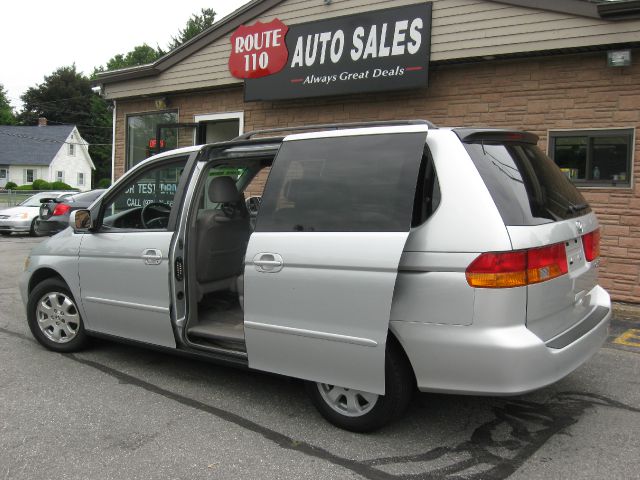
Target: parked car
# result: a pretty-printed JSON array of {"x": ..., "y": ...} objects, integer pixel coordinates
[
  {"x": 21, "y": 218},
  {"x": 385, "y": 257},
  {"x": 54, "y": 215}
]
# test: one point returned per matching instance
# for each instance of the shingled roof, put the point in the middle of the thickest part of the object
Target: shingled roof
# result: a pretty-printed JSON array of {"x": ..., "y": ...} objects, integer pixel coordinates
[{"x": 31, "y": 145}]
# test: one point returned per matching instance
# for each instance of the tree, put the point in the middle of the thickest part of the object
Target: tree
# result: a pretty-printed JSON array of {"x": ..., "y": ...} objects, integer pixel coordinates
[
  {"x": 66, "y": 97},
  {"x": 7, "y": 117},
  {"x": 195, "y": 25},
  {"x": 140, "y": 55}
]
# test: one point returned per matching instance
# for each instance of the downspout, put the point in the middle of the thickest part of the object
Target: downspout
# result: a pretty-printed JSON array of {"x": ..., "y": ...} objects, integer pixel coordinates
[{"x": 113, "y": 145}]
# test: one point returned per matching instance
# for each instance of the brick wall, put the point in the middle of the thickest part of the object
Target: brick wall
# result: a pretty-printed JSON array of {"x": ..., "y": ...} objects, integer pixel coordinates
[{"x": 559, "y": 92}]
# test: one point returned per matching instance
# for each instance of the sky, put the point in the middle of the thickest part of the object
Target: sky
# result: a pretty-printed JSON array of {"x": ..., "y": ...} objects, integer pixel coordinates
[{"x": 37, "y": 36}]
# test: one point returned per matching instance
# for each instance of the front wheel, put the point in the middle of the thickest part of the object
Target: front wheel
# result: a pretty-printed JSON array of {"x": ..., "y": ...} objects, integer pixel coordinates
[
  {"x": 53, "y": 317},
  {"x": 359, "y": 411}
]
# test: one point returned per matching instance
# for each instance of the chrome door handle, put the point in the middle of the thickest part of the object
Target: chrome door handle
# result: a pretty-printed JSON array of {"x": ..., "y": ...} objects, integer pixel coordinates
[
  {"x": 268, "y": 262},
  {"x": 152, "y": 256}
]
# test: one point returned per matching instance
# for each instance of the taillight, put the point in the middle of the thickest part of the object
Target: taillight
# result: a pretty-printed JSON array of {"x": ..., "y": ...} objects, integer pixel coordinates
[
  {"x": 61, "y": 209},
  {"x": 591, "y": 244},
  {"x": 519, "y": 268}
]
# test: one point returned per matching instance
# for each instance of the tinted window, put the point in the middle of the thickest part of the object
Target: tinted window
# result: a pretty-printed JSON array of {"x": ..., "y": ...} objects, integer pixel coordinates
[
  {"x": 526, "y": 186},
  {"x": 349, "y": 184}
]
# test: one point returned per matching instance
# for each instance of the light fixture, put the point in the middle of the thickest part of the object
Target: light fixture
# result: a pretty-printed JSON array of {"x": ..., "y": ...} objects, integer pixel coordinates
[
  {"x": 619, "y": 58},
  {"x": 327, "y": 2},
  {"x": 161, "y": 103}
]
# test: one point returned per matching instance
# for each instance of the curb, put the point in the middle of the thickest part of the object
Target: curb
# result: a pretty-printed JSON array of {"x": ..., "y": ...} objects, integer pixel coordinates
[{"x": 627, "y": 311}]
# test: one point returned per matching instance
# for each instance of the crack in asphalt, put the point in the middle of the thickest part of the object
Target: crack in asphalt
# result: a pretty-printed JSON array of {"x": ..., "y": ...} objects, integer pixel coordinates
[{"x": 495, "y": 450}]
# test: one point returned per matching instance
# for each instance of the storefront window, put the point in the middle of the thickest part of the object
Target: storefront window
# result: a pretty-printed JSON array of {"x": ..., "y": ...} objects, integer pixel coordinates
[
  {"x": 594, "y": 157},
  {"x": 141, "y": 135}
]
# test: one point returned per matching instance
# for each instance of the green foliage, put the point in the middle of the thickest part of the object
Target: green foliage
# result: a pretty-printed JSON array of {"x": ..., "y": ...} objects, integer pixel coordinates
[
  {"x": 39, "y": 184},
  {"x": 197, "y": 24},
  {"x": 104, "y": 183},
  {"x": 140, "y": 55},
  {"x": 7, "y": 117},
  {"x": 10, "y": 185},
  {"x": 24, "y": 187},
  {"x": 60, "y": 186}
]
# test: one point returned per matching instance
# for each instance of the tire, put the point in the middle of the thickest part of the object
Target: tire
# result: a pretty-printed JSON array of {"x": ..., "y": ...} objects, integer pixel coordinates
[
  {"x": 53, "y": 317},
  {"x": 372, "y": 411},
  {"x": 32, "y": 230}
]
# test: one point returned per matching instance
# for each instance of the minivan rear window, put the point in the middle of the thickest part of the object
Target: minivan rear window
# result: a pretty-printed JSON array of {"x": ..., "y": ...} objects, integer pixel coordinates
[{"x": 526, "y": 186}]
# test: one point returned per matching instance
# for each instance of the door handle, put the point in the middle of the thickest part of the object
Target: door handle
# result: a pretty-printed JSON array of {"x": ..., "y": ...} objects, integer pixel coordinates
[
  {"x": 152, "y": 256},
  {"x": 268, "y": 262}
]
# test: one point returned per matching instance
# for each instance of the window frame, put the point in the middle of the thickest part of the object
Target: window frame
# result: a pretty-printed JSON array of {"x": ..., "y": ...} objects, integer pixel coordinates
[
  {"x": 80, "y": 179},
  {"x": 26, "y": 175},
  {"x": 127, "y": 159},
  {"x": 4, "y": 173},
  {"x": 590, "y": 134},
  {"x": 60, "y": 178}
]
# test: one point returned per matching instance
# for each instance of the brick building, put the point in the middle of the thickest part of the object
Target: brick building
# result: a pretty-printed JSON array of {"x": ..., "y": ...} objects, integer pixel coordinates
[{"x": 568, "y": 70}]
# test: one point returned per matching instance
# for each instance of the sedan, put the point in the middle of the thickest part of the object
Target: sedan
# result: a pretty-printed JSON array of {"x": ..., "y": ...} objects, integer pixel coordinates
[
  {"x": 54, "y": 214},
  {"x": 22, "y": 217}
]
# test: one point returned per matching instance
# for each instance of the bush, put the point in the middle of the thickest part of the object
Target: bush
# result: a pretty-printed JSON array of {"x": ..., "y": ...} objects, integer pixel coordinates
[
  {"x": 24, "y": 187},
  {"x": 104, "y": 183},
  {"x": 39, "y": 184},
  {"x": 10, "y": 185},
  {"x": 60, "y": 186}
]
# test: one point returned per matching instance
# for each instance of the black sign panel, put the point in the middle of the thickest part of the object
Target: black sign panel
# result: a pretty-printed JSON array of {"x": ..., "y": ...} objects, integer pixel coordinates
[{"x": 368, "y": 52}]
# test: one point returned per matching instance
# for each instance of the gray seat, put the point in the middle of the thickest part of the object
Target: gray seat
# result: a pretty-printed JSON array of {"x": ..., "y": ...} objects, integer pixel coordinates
[{"x": 221, "y": 238}]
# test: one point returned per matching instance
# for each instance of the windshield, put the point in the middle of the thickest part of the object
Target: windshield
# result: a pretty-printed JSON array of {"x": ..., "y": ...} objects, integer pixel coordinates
[{"x": 86, "y": 197}]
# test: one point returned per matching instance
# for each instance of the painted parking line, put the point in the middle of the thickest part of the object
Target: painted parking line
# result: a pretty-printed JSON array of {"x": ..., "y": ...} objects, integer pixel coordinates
[{"x": 630, "y": 338}]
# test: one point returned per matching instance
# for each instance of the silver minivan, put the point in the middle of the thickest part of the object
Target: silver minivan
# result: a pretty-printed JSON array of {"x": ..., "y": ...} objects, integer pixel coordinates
[{"x": 380, "y": 258}]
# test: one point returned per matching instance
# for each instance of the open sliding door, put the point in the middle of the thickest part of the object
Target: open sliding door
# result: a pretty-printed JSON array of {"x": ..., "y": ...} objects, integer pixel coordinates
[{"x": 322, "y": 263}]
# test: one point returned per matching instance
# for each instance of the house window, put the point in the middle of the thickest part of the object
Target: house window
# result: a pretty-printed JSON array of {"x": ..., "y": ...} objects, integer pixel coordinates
[
  {"x": 80, "y": 178},
  {"x": 60, "y": 176},
  {"x": 594, "y": 157},
  {"x": 72, "y": 149},
  {"x": 141, "y": 135},
  {"x": 29, "y": 175},
  {"x": 3, "y": 173}
]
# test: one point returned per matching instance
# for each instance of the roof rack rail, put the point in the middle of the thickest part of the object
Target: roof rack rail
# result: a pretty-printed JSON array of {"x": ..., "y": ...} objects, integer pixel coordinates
[{"x": 329, "y": 126}]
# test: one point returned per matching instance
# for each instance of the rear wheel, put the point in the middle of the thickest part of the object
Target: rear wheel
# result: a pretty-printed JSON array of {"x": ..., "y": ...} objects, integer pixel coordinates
[
  {"x": 360, "y": 411},
  {"x": 32, "y": 230},
  {"x": 53, "y": 317}
]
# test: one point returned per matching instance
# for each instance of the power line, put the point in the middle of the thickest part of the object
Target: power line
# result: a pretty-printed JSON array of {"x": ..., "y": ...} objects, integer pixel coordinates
[
  {"x": 46, "y": 102},
  {"x": 78, "y": 125},
  {"x": 52, "y": 140}
]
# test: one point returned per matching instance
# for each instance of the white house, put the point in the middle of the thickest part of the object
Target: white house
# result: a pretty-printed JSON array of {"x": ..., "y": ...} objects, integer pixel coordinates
[{"x": 48, "y": 152}]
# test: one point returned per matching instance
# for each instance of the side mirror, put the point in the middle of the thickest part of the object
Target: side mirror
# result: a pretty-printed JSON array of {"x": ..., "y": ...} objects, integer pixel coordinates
[{"x": 80, "y": 220}]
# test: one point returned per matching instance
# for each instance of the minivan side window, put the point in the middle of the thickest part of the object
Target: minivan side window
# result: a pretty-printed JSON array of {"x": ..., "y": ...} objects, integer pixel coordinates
[
  {"x": 343, "y": 184},
  {"x": 145, "y": 201}
]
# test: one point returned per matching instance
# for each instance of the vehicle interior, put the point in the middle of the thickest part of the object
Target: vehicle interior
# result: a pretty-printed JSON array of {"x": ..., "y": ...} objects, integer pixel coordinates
[{"x": 222, "y": 217}]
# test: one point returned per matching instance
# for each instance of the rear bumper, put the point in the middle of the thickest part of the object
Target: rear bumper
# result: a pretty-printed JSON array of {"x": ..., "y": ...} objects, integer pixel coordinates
[
  {"x": 49, "y": 227},
  {"x": 481, "y": 360}
]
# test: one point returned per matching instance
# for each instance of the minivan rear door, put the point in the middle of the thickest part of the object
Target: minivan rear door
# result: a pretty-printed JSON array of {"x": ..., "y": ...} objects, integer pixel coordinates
[
  {"x": 540, "y": 207},
  {"x": 322, "y": 263}
]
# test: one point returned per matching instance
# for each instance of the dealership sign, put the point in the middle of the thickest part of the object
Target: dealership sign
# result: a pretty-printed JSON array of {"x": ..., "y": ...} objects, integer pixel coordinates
[{"x": 368, "y": 52}]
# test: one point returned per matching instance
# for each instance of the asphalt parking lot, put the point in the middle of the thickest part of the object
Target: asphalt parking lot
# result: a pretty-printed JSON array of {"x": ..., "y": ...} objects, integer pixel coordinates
[{"x": 122, "y": 412}]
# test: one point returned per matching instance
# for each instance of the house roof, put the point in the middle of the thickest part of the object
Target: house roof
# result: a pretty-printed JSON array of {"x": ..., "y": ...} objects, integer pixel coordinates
[
  {"x": 32, "y": 145},
  {"x": 601, "y": 9}
]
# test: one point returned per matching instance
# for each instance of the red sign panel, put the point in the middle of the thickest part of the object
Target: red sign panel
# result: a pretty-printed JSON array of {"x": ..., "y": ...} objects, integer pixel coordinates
[{"x": 258, "y": 50}]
